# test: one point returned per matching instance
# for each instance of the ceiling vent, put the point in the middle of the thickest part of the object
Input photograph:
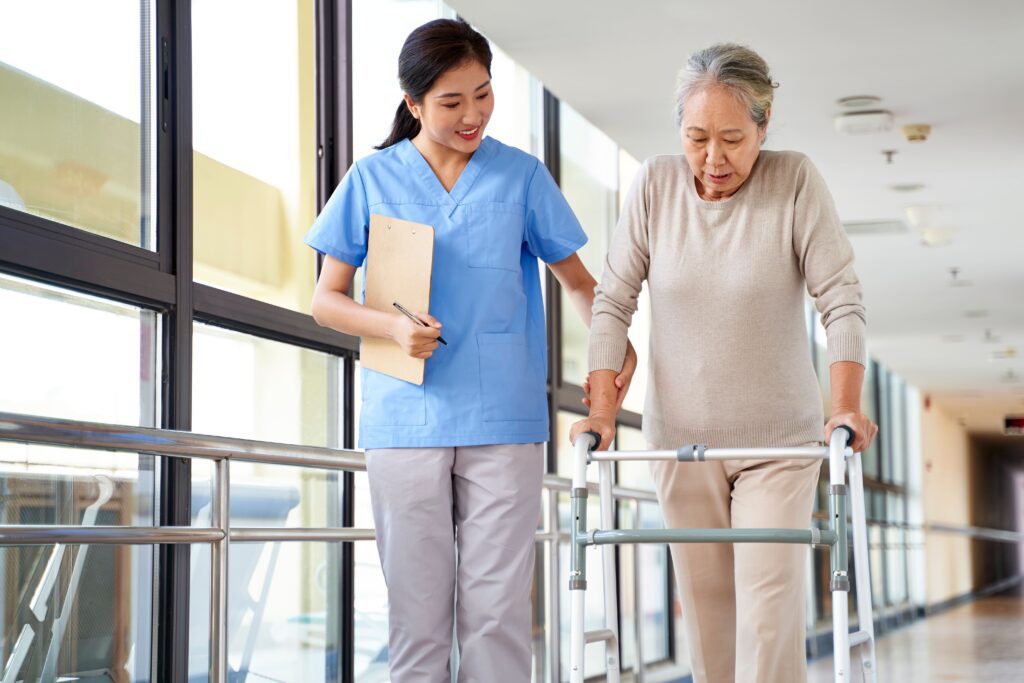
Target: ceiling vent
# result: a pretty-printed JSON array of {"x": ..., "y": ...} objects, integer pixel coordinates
[{"x": 875, "y": 227}]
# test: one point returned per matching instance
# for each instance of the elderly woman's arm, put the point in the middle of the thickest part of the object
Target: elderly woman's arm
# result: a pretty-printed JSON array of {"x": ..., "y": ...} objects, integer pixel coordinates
[
  {"x": 826, "y": 261},
  {"x": 615, "y": 302}
]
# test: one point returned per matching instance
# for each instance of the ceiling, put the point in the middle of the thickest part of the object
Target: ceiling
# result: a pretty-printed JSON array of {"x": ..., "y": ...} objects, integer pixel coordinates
[{"x": 958, "y": 66}]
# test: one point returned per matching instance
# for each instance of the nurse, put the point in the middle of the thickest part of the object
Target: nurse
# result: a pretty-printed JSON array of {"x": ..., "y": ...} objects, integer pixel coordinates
[{"x": 456, "y": 463}]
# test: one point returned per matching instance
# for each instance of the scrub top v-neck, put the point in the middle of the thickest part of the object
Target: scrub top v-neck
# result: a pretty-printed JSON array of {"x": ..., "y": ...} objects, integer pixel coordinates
[{"x": 503, "y": 213}]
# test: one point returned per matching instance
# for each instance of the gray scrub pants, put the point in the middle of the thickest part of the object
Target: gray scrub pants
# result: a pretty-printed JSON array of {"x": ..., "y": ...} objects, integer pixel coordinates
[{"x": 483, "y": 501}]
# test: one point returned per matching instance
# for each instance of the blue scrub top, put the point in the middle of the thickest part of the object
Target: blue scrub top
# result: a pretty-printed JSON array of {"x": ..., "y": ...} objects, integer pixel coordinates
[{"x": 505, "y": 211}]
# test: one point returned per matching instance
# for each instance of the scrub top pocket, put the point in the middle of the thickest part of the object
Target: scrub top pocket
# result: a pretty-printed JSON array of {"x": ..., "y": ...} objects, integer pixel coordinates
[
  {"x": 496, "y": 233},
  {"x": 511, "y": 389}
]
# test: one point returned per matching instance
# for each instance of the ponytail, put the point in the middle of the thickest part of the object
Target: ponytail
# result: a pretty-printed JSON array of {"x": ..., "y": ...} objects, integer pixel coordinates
[
  {"x": 429, "y": 51},
  {"x": 404, "y": 126}
]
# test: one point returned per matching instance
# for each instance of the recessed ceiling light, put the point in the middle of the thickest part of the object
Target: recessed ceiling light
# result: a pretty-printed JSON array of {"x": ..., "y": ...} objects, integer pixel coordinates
[
  {"x": 938, "y": 237},
  {"x": 976, "y": 313},
  {"x": 906, "y": 187},
  {"x": 1008, "y": 353},
  {"x": 858, "y": 101}
]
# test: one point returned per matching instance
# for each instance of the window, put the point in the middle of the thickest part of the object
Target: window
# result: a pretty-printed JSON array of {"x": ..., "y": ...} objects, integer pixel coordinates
[
  {"x": 590, "y": 181},
  {"x": 254, "y": 159},
  {"x": 73, "y": 609},
  {"x": 283, "y": 604},
  {"x": 75, "y": 128}
]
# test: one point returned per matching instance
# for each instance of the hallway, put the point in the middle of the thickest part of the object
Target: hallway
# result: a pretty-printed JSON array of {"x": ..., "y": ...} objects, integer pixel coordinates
[{"x": 977, "y": 642}]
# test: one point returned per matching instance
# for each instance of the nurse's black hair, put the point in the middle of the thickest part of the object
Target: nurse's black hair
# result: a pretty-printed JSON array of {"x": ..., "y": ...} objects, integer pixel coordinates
[{"x": 429, "y": 51}]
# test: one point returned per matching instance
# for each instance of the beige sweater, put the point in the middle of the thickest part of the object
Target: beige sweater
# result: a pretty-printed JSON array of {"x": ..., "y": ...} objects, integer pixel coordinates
[{"x": 730, "y": 363}]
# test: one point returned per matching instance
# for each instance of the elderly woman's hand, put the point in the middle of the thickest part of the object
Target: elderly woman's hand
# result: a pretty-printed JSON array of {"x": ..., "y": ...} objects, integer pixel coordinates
[
  {"x": 601, "y": 424},
  {"x": 864, "y": 429},
  {"x": 622, "y": 380}
]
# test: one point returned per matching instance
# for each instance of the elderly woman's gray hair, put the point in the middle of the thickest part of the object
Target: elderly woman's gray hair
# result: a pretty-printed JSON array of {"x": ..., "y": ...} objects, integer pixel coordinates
[{"x": 738, "y": 68}]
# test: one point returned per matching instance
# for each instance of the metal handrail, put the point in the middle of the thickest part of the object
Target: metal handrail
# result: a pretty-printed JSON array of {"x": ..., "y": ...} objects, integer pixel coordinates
[
  {"x": 163, "y": 442},
  {"x": 99, "y": 436}
]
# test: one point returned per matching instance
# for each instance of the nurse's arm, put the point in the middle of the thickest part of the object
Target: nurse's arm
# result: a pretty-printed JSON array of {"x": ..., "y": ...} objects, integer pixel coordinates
[
  {"x": 334, "y": 307},
  {"x": 579, "y": 285}
]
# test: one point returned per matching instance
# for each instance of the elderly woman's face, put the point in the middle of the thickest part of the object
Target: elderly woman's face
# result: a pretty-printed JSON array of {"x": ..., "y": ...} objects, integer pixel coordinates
[{"x": 720, "y": 140}]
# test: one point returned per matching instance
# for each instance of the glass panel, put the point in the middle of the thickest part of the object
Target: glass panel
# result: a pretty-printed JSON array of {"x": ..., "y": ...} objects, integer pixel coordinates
[
  {"x": 517, "y": 117},
  {"x": 896, "y": 426},
  {"x": 380, "y": 27},
  {"x": 869, "y": 405},
  {"x": 254, "y": 159},
  {"x": 70, "y": 610},
  {"x": 655, "y": 599},
  {"x": 590, "y": 182},
  {"x": 71, "y": 145},
  {"x": 283, "y": 601},
  {"x": 85, "y": 359},
  {"x": 635, "y": 475}
]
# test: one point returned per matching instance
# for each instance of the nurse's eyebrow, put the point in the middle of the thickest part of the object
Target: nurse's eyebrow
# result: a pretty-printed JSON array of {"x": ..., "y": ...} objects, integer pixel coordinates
[{"x": 458, "y": 94}]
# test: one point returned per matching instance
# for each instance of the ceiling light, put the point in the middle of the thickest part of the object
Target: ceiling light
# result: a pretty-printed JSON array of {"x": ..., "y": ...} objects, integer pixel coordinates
[
  {"x": 1008, "y": 353},
  {"x": 976, "y": 313},
  {"x": 916, "y": 132},
  {"x": 1010, "y": 376},
  {"x": 863, "y": 122},
  {"x": 989, "y": 338},
  {"x": 938, "y": 237},
  {"x": 859, "y": 101}
]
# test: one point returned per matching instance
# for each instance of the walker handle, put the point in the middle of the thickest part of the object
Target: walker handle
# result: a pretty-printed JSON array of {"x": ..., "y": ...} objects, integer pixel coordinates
[
  {"x": 597, "y": 440},
  {"x": 849, "y": 431}
]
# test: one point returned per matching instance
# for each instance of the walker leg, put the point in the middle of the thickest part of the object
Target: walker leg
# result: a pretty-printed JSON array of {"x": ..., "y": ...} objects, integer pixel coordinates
[
  {"x": 578, "y": 557},
  {"x": 840, "y": 584},
  {"x": 611, "y": 577},
  {"x": 862, "y": 568}
]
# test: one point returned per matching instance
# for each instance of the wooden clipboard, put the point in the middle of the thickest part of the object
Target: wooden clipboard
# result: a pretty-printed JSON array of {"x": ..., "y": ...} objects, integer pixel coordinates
[{"x": 399, "y": 261}]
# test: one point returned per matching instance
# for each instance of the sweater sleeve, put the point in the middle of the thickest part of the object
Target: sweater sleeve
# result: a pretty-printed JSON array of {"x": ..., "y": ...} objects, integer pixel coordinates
[
  {"x": 625, "y": 269},
  {"x": 826, "y": 262}
]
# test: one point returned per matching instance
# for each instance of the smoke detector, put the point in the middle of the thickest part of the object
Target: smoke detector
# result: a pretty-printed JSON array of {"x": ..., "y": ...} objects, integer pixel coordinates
[
  {"x": 862, "y": 122},
  {"x": 916, "y": 132}
]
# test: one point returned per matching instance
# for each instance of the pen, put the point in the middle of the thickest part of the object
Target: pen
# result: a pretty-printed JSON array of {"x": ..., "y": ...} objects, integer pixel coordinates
[{"x": 412, "y": 317}]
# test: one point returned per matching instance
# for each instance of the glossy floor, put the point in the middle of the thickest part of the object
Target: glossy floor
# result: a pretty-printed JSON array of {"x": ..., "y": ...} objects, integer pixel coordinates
[{"x": 978, "y": 642}]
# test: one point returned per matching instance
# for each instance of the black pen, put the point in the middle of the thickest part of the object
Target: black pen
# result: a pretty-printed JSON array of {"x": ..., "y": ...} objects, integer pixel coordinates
[{"x": 402, "y": 308}]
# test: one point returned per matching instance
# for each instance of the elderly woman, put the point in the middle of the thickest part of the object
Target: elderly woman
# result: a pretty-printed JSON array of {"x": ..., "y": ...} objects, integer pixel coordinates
[{"x": 728, "y": 237}]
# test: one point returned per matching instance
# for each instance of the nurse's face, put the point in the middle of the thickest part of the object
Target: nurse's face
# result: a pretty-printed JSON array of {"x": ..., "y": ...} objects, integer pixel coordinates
[
  {"x": 721, "y": 141},
  {"x": 455, "y": 112}
]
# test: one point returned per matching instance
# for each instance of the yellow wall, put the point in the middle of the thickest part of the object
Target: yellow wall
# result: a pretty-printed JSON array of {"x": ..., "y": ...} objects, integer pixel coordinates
[{"x": 945, "y": 498}]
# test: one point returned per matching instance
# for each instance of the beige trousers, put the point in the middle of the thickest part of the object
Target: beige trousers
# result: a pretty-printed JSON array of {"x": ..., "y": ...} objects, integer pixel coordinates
[{"x": 743, "y": 604}]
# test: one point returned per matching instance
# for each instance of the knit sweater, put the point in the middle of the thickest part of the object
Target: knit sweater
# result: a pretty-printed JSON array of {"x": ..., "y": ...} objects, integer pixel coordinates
[{"x": 730, "y": 364}]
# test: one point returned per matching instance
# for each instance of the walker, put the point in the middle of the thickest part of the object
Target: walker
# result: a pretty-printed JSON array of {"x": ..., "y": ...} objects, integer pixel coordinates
[{"x": 835, "y": 537}]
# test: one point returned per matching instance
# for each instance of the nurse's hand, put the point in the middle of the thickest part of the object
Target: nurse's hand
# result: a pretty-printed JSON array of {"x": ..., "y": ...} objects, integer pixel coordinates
[
  {"x": 416, "y": 340},
  {"x": 602, "y": 424}
]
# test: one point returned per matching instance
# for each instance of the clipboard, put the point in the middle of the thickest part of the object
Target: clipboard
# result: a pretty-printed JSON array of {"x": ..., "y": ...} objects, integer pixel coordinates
[{"x": 399, "y": 262}]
